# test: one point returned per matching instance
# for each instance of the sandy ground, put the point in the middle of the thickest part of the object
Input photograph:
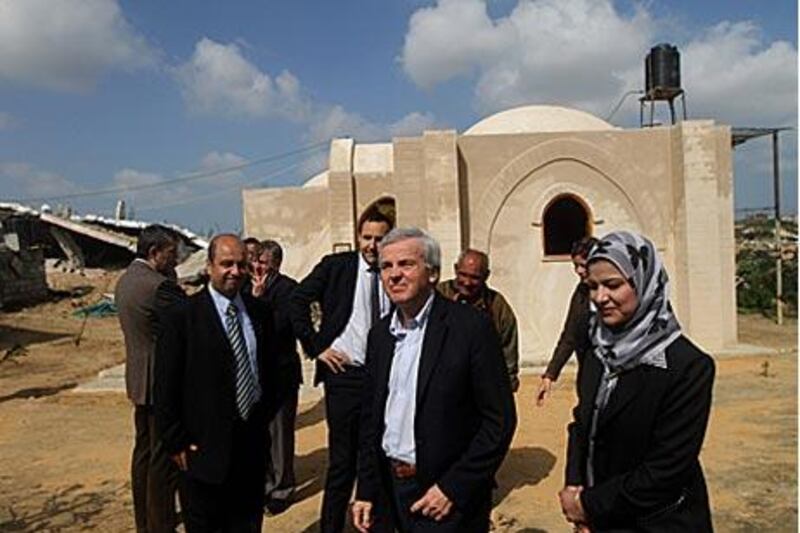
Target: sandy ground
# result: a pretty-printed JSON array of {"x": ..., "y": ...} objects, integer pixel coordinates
[{"x": 64, "y": 456}]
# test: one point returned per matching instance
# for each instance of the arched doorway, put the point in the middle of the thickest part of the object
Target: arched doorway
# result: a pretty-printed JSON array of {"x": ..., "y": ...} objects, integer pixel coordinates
[{"x": 384, "y": 204}]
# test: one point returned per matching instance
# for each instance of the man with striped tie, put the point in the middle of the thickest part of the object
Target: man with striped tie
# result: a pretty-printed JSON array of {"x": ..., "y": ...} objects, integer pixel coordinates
[{"x": 213, "y": 398}]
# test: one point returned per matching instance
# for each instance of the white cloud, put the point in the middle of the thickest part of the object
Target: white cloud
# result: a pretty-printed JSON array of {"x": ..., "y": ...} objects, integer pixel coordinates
[
  {"x": 575, "y": 51},
  {"x": 336, "y": 121},
  {"x": 219, "y": 80},
  {"x": 22, "y": 180},
  {"x": 67, "y": 44},
  {"x": 730, "y": 73},
  {"x": 586, "y": 54}
]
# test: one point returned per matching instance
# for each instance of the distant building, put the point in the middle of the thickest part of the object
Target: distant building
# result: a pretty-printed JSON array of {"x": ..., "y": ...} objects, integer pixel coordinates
[{"x": 523, "y": 185}]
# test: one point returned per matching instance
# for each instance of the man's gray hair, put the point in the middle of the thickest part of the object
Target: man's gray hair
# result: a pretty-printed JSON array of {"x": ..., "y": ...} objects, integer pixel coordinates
[{"x": 431, "y": 250}]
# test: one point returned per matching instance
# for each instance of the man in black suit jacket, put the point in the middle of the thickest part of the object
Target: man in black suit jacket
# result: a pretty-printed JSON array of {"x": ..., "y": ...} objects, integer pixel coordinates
[
  {"x": 275, "y": 288},
  {"x": 347, "y": 286},
  {"x": 438, "y": 413},
  {"x": 212, "y": 397}
]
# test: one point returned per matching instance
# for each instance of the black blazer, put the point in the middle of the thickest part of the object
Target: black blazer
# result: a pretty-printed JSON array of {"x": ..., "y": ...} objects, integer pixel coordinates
[
  {"x": 287, "y": 360},
  {"x": 195, "y": 397},
  {"x": 647, "y": 473},
  {"x": 332, "y": 283},
  {"x": 465, "y": 413}
]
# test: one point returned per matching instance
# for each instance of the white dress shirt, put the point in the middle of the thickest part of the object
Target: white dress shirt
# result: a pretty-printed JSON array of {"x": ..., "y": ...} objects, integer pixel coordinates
[
  {"x": 401, "y": 406},
  {"x": 353, "y": 339},
  {"x": 221, "y": 302}
]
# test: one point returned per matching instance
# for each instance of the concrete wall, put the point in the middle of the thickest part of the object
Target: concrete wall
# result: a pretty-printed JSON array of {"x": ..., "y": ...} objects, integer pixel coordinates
[{"x": 22, "y": 278}]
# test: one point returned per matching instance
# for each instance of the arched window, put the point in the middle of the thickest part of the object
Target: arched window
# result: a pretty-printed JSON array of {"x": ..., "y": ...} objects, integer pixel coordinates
[{"x": 566, "y": 219}]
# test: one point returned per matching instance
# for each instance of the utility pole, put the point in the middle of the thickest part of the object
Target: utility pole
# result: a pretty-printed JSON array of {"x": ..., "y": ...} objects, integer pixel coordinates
[{"x": 778, "y": 242}]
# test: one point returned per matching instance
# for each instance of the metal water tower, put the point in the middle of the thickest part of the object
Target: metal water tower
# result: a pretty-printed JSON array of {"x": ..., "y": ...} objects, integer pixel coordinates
[{"x": 662, "y": 81}]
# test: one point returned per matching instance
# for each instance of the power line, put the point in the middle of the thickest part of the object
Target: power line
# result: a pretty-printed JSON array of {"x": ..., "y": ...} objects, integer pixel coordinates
[
  {"x": 217, "y": 192},
  {"x": 187, "y": 177}
]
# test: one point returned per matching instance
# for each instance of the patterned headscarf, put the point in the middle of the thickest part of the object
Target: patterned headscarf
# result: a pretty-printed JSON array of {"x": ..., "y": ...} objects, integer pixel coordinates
[
  {"x": 653, "y": 327},
  {"x": 644, "y": 338}
]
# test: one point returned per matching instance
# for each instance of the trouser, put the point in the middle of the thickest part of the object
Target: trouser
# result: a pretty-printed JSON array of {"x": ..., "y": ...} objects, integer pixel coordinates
[
  {"x": 343, "y": 410},
  {"x": 404, "y": 492},
  {"x": 235, "y": 504},
  {"x": 154, "y": 477},
  {"x": 280, "y": 484}
]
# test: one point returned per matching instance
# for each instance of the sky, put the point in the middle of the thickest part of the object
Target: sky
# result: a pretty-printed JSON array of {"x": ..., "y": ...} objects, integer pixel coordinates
[{"x": 176, "y": 106}]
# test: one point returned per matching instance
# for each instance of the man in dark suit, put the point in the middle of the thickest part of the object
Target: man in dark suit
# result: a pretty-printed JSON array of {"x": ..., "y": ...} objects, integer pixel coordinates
[
  {"x": 212, "y": 397},
  {"x": 347, "y": 286},
  {"x": 438, "y": 413},
  {"x": 146, "y": 287},
  {"x": 275, "y": 288}
]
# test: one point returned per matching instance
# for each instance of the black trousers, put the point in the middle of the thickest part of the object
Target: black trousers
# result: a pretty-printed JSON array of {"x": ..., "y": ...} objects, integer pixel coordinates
[
  {"x": 343, "y": 410},
  {"x": 236, "y": 504},
  {"x": 280, "y": 484},
  {"x": 404, "y": 492},
  {"x": 154, "y": 477}
]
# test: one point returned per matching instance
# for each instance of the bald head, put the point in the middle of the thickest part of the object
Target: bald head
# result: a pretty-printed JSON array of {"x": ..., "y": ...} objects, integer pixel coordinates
[
  {"x": 227, "y": 264},
  {"x": 472, "y": 271}
]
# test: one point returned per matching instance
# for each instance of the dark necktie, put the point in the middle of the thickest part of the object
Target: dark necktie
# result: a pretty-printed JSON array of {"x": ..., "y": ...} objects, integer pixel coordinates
[
  {"x": 248, "y": 391},
  {"x": 375, "y": 297}
]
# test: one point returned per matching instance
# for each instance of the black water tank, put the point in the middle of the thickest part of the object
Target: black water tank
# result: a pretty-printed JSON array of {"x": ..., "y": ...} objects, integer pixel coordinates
[{"x": 662, "y": 69}]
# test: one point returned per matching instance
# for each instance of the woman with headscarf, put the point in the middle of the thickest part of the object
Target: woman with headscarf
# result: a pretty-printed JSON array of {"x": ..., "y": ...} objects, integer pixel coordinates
[{"x": 644, "y": 401}]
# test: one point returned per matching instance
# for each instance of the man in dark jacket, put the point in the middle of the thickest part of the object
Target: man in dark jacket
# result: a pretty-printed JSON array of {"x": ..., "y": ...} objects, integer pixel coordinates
[
  {"x": 147, "y": 287},
  {"x": 573, "y": 336},
  {"x": 214, "y": 396},
  {"x": 438, "y": 413},
  {"x": 275, "y": 288},
  {"x": 347, "y": 287}
]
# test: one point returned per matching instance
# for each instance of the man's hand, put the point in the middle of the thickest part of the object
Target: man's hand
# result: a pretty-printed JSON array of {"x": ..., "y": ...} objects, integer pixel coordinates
[
  {"x": 571, "y": 506},
  {"x": 180, "y": 457},
  {"x": 434, "y": 504},
  {"x": 259, "y": 284},
  {"x": 544, "y": 390},
  {"x": 362, "y": 515},
  {"x": 335, "y": 360}
]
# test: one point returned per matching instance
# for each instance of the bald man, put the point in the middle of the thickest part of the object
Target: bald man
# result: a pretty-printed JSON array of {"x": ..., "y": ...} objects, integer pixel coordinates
[
  {"x": 212, "y": 397},
  {"x": 469, "y": 287}
]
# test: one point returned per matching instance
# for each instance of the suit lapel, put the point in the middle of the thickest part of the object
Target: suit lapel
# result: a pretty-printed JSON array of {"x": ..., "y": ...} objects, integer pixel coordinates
[
  {"x": 351, "y": 275},
  {"x": 592, "y": 373},
  {"x": 384, "y": 367},
  {"x": 435, "y": 333},
  {"x": 628, "y": 388}
]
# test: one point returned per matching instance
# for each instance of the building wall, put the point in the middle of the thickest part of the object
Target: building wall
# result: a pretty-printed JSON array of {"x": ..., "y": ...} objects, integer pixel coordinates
[{"x": 673, "y": 184}]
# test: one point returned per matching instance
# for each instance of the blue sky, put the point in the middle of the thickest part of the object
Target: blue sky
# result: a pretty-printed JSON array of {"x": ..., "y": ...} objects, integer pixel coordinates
[{"x": 99, "y": 94}]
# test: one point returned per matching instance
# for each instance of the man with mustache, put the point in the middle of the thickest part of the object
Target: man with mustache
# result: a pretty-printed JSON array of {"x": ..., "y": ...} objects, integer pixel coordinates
[{"x": 213, "y": 399}]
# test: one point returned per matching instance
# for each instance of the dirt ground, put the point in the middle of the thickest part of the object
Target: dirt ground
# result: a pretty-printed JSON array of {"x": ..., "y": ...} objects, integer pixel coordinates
[{"x": 64, "y": 455}]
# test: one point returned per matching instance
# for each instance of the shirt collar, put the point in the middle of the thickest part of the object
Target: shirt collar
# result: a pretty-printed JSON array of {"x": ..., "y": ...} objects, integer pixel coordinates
[
  {"x": 363, "y": 266},
  {"x": 222, "y": 302},
  {"x": 396, "y": 327}
]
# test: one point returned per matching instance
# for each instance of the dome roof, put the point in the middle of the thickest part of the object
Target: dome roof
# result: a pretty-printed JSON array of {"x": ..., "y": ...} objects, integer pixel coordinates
[{"x": 538, "y": 119}]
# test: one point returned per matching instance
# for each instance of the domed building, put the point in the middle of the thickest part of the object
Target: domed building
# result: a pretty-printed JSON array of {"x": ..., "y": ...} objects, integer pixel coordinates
[{"x": 522, "y": 185}]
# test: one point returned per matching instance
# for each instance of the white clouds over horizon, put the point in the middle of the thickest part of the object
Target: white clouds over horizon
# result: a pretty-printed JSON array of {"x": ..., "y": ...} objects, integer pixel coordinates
[
  {"x": 23, "y": 180},
  {"x": 218, "y": 80},
  {"x": 586, "y": 54},
  {"x": 68, "y": 44}
]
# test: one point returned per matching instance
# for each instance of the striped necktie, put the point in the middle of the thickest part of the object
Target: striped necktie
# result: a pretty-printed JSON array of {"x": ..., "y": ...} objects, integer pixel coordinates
[{"x": 248, "y": 390}]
